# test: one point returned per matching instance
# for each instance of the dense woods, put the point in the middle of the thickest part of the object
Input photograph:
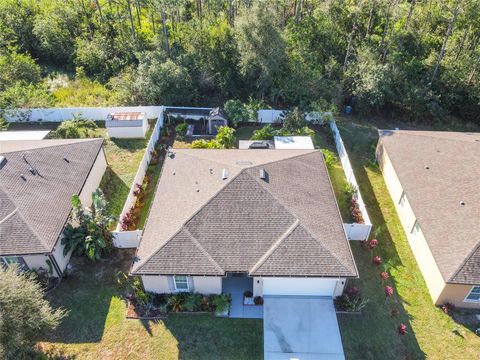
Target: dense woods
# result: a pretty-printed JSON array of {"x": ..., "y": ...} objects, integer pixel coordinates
[{"x": 416, "y": 59}]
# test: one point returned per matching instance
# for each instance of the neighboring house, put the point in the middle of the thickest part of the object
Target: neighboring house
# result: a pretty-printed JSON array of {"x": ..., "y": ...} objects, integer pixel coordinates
[
  {"x": 266, "y": 215},
  {"x": 37, "y": 181},
  {"x": 127, "y": 125},
  {"x": 433, "y": 179}
]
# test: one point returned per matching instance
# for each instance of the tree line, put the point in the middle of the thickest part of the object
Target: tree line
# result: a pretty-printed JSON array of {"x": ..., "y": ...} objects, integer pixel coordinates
[{"x": 415, "y": 59}]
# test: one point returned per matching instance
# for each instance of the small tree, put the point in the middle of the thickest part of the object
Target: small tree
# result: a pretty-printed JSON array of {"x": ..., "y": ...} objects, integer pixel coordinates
[
  {"x": 24, "y": 314},
  {"x": 265, "y": 133},
  {"x": 226, "y": 137},
  {"x": 294, "y": 120},
  {"x": 3, "y": 124},
  {"x": 74, "y": 129},
  {"x": 93, "y": 236},
  {"x": 236, "y": 112}
]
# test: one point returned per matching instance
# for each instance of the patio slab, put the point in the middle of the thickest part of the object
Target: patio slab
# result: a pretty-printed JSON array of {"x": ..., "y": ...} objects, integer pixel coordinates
[{"x": 236, "y": 286}]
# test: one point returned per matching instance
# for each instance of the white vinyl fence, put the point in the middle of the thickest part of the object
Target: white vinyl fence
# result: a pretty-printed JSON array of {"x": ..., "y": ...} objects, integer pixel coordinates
[
  {"x": 62, "y": 114},
  {"x": 354, "y": 231},
  {"x": 131, "y": 239}
]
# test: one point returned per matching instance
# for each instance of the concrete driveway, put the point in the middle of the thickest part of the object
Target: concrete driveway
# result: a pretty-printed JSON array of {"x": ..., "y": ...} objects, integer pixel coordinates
[{"x": 303, "y": 328}]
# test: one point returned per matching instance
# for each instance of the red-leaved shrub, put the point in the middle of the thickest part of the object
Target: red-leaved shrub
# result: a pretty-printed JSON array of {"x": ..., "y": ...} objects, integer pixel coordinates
[{"x": 377, "y": 260}]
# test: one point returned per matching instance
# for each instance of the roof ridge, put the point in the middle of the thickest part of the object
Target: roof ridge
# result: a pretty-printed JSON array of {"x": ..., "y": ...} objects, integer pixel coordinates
[
  {"x": 184, "y": 223},
  {"x": 326, "y": 248},
  {"x": 201, "y": 158},
  {"x": 9, "y": 216},
  {"x": 275, "y": 245},
  {"x": 26, "y": 224},
  {"x": 464, "y": 262},
  {"x": 418, "y": 133},
  {"x": 308, "y": 152},
  {"x": 44, "y": 141},
  {"x": 301, "y": 223},
  {"x": 200, "y": 247}
]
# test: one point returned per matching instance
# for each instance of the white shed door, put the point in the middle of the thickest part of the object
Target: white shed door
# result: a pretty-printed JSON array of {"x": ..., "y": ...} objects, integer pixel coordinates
[{"x": 299, "y": 286}]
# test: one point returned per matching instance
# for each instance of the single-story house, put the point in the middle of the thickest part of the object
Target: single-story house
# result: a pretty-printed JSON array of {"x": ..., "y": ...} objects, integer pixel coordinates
[
  {"x": 263, "y": 221},
  {"x": 433, "y": 178},
  {"x": 127, "y": 125},
  {"x": 37, "y": 181},
  {"x": 269, "y": 215}
]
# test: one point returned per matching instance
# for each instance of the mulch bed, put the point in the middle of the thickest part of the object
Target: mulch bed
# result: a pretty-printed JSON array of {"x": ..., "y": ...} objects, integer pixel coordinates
[{"x": 136, "y": 312}]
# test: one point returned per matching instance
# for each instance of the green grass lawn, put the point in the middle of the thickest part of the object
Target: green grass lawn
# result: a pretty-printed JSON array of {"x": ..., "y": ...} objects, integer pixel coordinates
[
  {"x": 373, "y": 335},
  {"x": 96, "y": 327},
  {"x": 123, "y": 157}
]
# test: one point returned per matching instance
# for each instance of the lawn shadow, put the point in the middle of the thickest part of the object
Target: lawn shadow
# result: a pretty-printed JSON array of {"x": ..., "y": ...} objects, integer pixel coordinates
[
  {"x": 131, "y": 145},
  {"x": 204, "y": 336},
  {"x": 115, "y": 191},
  {"x": 87, "y": 297},
  {"x": 384, "y": 314}
]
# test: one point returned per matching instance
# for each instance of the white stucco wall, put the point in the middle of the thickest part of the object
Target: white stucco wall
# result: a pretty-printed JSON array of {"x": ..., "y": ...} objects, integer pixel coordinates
[
  {"x": 93, "y": 180},
  {"x": 207, "y": 284},
  {"x": 257, "y": 286},
  {"x": 129, "y": 132},
  {"x": 156, "y": 284},
  {"x": 34, "y": 262},
  {"x": 200, "y": 284},
  {"x": 423, "y": 255},
  {"x": 57, "y": 253}
]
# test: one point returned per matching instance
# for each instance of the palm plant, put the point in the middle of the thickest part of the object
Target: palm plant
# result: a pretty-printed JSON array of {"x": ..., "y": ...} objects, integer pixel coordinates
[
  {"x": 92, "y": 237},
  {"x": 76, "y": 128}
]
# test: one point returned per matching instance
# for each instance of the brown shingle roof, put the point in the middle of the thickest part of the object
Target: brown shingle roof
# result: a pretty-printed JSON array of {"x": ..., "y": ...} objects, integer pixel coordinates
[
  {"x": 438, "y": 171},
  {"x": 244, "y": 223},
  {"x": 34, "y": 210}
]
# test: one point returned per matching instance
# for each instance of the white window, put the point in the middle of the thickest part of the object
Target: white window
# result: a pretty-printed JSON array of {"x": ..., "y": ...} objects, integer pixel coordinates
[
  {"x": 474, "y": 294},
  {"x": 181, "y": 282},
  {"x": 12, "y": 260}
]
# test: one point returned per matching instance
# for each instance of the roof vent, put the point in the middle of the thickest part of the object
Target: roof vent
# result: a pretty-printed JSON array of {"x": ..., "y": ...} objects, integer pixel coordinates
[
  {"x": 259, "y": 145},
  {"x": 32, "y": 170},
  {"x": 3, "y": 161},
  {"x": 66, "y": 159},
  {"x": 23, "y": 177},
  {"x": 427, "y": 167},
  {"x": 224, "y": 173},
  {"x": 462, "y": 203},
  {"x": 263, "y": 174},
  {"x": 211, "y": 170}
]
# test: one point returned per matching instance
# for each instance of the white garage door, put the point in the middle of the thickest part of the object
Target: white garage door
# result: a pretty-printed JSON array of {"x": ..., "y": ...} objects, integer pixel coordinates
[{"x": 299, "y": 286}]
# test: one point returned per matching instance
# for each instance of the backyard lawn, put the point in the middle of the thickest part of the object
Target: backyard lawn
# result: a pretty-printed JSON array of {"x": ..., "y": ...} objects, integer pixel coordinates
[
  {"x": 96, "y": 327},
  {"x": 123, "y": 157},
  {"x": 373, "y": 335}
]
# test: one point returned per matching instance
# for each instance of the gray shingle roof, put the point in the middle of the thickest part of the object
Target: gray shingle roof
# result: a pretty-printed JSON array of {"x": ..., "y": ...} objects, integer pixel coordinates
[
  {"x": 33, "y": 211},
  {"x": 289, "y": 225},
  {"x": 435, "y": 194}
]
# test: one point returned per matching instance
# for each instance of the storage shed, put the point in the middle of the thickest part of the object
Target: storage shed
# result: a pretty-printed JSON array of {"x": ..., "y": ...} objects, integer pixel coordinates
[{"x": 126, "y": 125}]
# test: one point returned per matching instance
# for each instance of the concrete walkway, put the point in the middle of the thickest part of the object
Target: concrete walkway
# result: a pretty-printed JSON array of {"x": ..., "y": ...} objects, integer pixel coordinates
[
  {"x": 302, "y": 328},
  {"x": 236, "y": 286}
]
